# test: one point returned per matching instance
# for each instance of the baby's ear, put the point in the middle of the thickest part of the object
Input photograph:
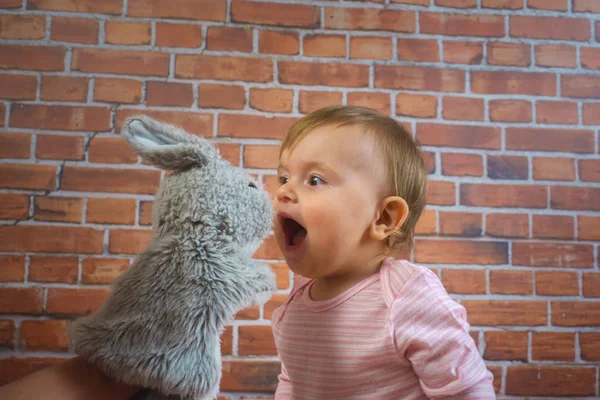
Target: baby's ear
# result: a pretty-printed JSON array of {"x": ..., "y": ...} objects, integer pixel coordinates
[{"x": 166, "y": 146}]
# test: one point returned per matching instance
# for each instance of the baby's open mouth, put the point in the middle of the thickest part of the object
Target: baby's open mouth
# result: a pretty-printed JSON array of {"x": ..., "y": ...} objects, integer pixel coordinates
[{"x": 293, "y": 231}]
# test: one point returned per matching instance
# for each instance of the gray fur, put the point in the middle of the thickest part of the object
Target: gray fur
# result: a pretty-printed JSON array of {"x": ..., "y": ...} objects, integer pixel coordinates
[{"x": 160, "y": 327}]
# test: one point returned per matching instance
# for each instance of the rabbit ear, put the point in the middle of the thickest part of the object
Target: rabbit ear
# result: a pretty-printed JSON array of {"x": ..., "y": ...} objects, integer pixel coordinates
[{"x": 166, "y": 146}]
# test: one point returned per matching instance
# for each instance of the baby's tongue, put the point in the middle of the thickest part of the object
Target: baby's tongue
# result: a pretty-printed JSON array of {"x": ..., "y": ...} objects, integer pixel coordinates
[{"x": 299, "y": 237}]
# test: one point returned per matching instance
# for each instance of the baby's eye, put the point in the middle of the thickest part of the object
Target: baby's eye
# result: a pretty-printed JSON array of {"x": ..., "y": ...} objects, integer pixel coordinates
[
  {"x": 283, "y": 180},
  {"x": 315, "y": 181}
]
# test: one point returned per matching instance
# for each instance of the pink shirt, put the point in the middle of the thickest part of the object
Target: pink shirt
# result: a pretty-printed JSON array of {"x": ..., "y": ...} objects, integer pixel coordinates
[{"x": 395, "y": 335}]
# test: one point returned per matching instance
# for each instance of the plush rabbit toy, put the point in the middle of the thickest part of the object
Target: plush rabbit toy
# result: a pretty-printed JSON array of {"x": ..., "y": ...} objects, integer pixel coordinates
[{"x": 160, "y": 327}]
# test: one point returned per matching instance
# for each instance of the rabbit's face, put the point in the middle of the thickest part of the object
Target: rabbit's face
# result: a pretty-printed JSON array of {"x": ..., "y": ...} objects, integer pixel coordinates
[{"x": 215, "y": 201}]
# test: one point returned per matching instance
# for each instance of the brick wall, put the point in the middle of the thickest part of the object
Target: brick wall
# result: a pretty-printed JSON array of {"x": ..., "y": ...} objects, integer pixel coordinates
[{"x": 504, "y": 95}]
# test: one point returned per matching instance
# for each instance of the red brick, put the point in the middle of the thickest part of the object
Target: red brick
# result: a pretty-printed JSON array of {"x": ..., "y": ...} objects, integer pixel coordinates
[
  {"x": 423, "y": 50},
  {"x": 486, "y": 195},
  {"x": 555, "y": 55},
  {"x": 590, "y": 346},
  {"x": 370, "y": 19},
  {"x": 550, "y": 381},
  {"x": 319, "y": 45},
  {"x": 64, "y": 209},
  {"x": 227, "y": 343},
  {"x": 51, "y": 239},
  {"x": 511, "y": 282},
  {"x": 39, "y": 58},
  {"x": 460, "y": 223},
  {"x": 553, "y": 168},
  {"x": 547, "y": 139},
  {"x": 25, "y": 176},
  {"x": 589, "y": 170},
  {"x": 459, "y": 52},
  {"x": 102, "y": 270},
  {"x": 505, "y": 345},
  {"x": 416, "y": 105},
  {"x": 223, "y": 68},
  {"x": 13, "y": 206},
  {"x": 18, "y": 367},
  {"x": 282, "y": 275},
  {"x": 506, "y": 312},
  {"x": 591, "y": 285},
  {"x": 457, "y": 164},
  {"x": 64, "y": 88},
  {"x": 115, "y": 90},
  {"x": 580, "y": 86},
  {"x": 507, "y": 167},
  {"x": 507, "y": 225},
  {"x": 253, "y": 126},
  {"x": 462, "y": 108},
  {"x": 2, "y": 113},
  {"x": 7, "y": 334},
  {"x": 278, "y": 42},
  {"x": 464, "y": 281},
  {"x": 513, "y": 82},
  {"x": 441, "y": 193},
  {"x": 462, "y": 136},
  {"x": 12, "y": 268},
  {"x": 457, "y": 3},
  {"x": 536, "y": 27},
  {"x": 588, "y": 227},
  {"x": 197, "y": 123},
  {"x": 75, "y": 301},
  {"x": 371, "y": 48},
  {"x": 575, "y": 313},
  {"x": 212, "y": 95},
  {"x": 111, "y": 150},
  {"x": 313, "y": 100},
  {"x": 21, "y": 300},
  {"x": 561, "y": 255},
  {"x": 128, "y": 33},
  {"x": 412, "y": 2},
  {"x": 19, "y": 27},
  {"x": 586, "y": 6},
  {"x": 264, "y": 13},
  {"x": 275, "y": 301},
  {"x": 417, "y": 78},
  {"x": 246, "y": 376},
  {"x": 68, "y": 118},
  {"x": 111, "y": 211},
  {"x": 18, "y": 87},
  {"x": 75, "y": 30},
  {"x": 230, "y": 152},
  {"x": 261, "y": 156},
  {"x": 128, "y": 241},
  {"x": 553, "y": 226},
  {"x": 461, "y": 252},
  {"x": 138, "y": 181},
  {"x": 269, "y": 250},
  {"x": 427, "y": 224},
  {"x": 510, "y": 111},
  {"x": 11, "y": 4},
  {"x": 169, "y": 94},
  {"x": 15, "y": 145},
  {"x": 178, "y": 35},
  {"x": 461, "y": 24},
  {"x": 128, "y": 62},
  {"x": 555, "y": 5},
  {"x": 49, "y": 335},
  {"x": 575, "y": 198},
  {"x": 375, "y": 100},
  {"x": 256, "y": 340},
  {"x": 512, "y": 54},
  {"x": 81, "y": 6},
  {"x": 229, "y": 39},
  {"x": 557, "y": 112},
  {"x": 250, "y": 313},
  {"x": 591, "y": 113},
  {"x": 58, "y": 147},
  {"x": 323, "y": 74},
  {"x": 556, "y": 283},
  {"x": 272, "y": 100},
  {"x": 208, "y": 10},
  {"x": 53, "y": 269}
]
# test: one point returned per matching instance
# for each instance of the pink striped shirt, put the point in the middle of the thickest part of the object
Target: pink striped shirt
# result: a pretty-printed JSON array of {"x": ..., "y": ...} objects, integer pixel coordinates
[{"x": 395, "y": 335}]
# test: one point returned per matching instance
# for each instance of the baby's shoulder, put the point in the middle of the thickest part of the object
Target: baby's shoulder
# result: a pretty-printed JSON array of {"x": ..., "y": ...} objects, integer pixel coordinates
[{"x": 399, "y": 275}]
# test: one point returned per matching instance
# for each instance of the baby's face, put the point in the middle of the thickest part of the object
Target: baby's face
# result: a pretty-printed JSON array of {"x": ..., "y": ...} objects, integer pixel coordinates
[{"x": 330, "y": 188}]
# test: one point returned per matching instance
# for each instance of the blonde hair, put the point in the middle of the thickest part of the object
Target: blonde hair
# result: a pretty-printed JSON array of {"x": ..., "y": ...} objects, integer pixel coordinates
[{"x": 405, "y": 168}]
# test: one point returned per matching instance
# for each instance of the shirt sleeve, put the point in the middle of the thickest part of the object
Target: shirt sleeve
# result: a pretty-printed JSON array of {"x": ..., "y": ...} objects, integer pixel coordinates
[
  {"x": 284, "y": 388},
  {"x": 431, "y": 331}
]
